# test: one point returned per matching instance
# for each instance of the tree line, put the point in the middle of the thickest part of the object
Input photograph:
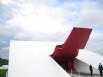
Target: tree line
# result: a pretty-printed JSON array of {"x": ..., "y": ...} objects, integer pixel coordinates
[{"x": 3, "y": 62}]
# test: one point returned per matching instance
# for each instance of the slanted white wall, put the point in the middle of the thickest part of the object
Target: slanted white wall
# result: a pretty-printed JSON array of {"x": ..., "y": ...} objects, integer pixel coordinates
[
  {"x": 85, "y": 58},
  {"x": 31, "y": 59}
]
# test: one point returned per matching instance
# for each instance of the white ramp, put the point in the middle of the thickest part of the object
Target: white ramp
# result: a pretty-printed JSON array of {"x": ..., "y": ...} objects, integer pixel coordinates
[
  {"x": 31, "y": 59},
  {"x": 85, "y": 58}
]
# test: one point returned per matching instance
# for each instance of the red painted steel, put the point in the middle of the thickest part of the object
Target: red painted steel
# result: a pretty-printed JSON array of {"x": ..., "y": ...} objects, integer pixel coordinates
[{"x": 69, "y": 50}]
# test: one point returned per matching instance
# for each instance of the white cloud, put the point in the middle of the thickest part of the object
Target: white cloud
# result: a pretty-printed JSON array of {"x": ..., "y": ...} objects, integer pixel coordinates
[
  {"x": 91, "y": 14},
  {"x": 5, "y": 13},
  {"x": 24, "y": 35},
  {"x": 40, "y": 18},
  {"x": 41, "y": 36},
  {"x": 9, "y": 30},
  {"x": 5, "y": 1}
]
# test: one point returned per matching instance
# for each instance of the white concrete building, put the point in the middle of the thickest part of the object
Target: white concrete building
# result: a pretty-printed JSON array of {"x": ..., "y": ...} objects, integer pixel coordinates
[{"x": 31, "y": 59}]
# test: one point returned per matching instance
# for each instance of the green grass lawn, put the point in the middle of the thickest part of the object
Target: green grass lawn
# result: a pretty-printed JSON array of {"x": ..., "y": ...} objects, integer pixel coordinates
[{"x": 3, "y": 73}]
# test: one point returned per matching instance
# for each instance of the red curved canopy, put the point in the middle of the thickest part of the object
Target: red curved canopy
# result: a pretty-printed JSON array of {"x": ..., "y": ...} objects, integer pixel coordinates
[{"x": 69, "y": 50}]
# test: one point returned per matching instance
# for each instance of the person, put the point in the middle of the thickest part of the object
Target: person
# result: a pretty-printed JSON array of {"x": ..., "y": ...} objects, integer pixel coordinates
[
  {"x": 100, "y": 69},
  {"x": 91, "y": 69}
]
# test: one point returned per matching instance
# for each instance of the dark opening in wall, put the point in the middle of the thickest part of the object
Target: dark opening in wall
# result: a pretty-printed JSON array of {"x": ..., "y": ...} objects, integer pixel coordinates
[{"x": 64, "y": 65}]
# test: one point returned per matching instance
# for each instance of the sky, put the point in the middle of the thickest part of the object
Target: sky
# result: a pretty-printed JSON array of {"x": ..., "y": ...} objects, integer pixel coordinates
[{"x": 49, "y": 20}]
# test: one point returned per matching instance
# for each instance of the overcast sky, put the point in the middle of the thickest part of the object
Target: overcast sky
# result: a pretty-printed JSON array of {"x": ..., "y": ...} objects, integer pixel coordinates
[{"x": 49, "y": 20}]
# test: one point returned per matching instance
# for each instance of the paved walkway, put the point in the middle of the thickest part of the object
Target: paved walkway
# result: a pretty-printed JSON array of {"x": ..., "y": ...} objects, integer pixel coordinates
[{"x": 76, "y": 74}]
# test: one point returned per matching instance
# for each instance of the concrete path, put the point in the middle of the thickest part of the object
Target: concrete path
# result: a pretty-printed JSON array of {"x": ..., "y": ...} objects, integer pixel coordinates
[
  {"x": 86, "y": 76},
  {"x": 76, "y": 74}
]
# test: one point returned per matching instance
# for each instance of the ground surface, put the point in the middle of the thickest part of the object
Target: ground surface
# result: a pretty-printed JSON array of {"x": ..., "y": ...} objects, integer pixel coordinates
[
  {"x": 3, "y": 74},
  {"x": 76, "y": 74}
]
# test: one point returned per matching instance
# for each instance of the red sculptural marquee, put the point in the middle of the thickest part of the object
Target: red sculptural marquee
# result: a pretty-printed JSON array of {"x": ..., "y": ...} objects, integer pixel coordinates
[{"x": 69, "y": 50}]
